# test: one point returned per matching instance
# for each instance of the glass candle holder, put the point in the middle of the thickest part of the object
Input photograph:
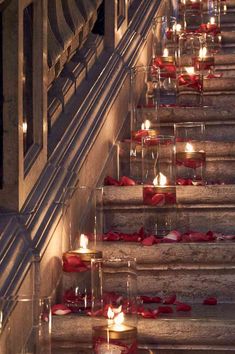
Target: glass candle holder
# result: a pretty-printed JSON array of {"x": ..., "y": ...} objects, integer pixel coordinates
[
  {"x": 211, "y": 17},
  {"x": 164, "y": 40},
  {"x": 76, "y": 262},
  {"x": 191, "y": 13},
  {"x": 144, "y": 93},
  {"x": 114, "y": 305},
  {"x": 190, "y": 158},
  {"x": 159, "y": 189},
  {"x": 25, "y": 325}
]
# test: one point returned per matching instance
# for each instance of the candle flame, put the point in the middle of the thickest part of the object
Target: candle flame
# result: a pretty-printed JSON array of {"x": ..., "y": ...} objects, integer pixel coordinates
[
  {"x": 202, "y": 52},
  {"x": 83, "y": 241},
  {"x": 189, "y": 148},
  {"x": 118, "y": 309},
  {"x": 119, "y": 319},
  {"x": 146, "y": 125},
  {"x": 165, "y": 52},
  {"x": 212, "y": 20},
  {"x": 25, "y": 127},
  {"x": 178, "y": 27},
  {"x": 190, "y": 70},
  {"x": 160, "y": 180},
  {"x": 110, "y": 313}
]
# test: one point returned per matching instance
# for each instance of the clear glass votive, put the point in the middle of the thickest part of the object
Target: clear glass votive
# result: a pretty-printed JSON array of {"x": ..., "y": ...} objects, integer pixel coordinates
[
  {"x": 211, "y": 17},
  {"x": 144, "y": 95},
  {"x": 190, "y": 157},
  {"x": 76, "y": 262},
  {"x": 25, "y": 325},
  {"x": 159, "y": 190},
  {"x": 114, "y": 305},
  {"x": 191, "y": 11}
]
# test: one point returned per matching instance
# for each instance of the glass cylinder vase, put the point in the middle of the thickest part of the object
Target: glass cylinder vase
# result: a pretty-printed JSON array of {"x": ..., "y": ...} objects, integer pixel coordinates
[
  {"x": 190, "y": 157},
  {"x": 76, "y": 262},
  {"x": 114, "y": 305}
]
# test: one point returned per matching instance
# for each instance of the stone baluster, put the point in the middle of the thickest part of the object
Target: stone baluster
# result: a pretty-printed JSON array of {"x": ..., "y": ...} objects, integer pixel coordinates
[{"x": 115, "y": 22}]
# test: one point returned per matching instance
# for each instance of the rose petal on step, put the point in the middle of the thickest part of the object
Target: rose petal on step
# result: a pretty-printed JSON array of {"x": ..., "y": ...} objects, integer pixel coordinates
[
  {"x": 210, "y": 301},
  {"x": 110, "y": 181},
  {"x": 174, "y": 236},
  {"x": 148, "y": 241},
  {"x": 163, "y": 309},
  {"x": 169, "y": 300},
  {"x": 148, "y": 313},
  {"x": 150, "y": 299},
  {"x": 126, "y": 181},
  {"x": 183, "y": 307},
  {"x": 60, "y": 310}
]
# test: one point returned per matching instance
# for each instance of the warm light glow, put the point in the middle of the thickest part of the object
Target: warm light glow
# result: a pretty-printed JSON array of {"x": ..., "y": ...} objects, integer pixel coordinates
[
  {"x": 212, "y": 20},
  {"x": 110, "y": 313},
  {"x": 25, "y": 127},
  {"x": 146, "y": 125},
  {"x": 160, "y": 180},
  {"x": 118, "y": 309},
  {"x": 225, "y": 8},
  {"x": 189, "y": 148},
  {"x": 177, "y": 27},
  {"x": 165, "y": 52},
  {"x": 202, "y": 52},
  {"x": 119, "y": 319},
  {"x": 83, "y": 241},
  {"x": 190, "y": 70}
]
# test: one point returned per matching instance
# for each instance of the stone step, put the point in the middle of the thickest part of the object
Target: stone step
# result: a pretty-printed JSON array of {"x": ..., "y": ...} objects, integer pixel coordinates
[
  {"x": 199, "y": 208},
  {"x": 220, "y": 160},
  {"x": 193, "y": 271},
  {"x": 209, "y": 329}
]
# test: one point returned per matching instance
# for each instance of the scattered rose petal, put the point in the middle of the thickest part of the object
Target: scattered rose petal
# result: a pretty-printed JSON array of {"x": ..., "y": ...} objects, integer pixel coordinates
[
  {"x": 183, "y": 307},
  {"x": 60, "y": 310},
  {"x": 148, "y": 313},
  {"x": 163, "y": 309},
  {"x": 174, "y": 236},
  {"x": 210, "y": 301},
  {"x": 169, "y": 300},
  {"x": 148, "y": 241},
  {"x": 150, "y": 299},
  {"x": 110, "y": 181},
  {"x": 126, "y": 181}
]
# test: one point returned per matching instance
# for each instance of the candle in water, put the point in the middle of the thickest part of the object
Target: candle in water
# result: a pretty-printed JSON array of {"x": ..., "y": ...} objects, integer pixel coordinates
[{"x": 160, "y": 193}]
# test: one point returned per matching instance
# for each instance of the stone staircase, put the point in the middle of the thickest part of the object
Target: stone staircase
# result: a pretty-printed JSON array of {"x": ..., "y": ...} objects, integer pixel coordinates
[{"x": 192, "y": 271}]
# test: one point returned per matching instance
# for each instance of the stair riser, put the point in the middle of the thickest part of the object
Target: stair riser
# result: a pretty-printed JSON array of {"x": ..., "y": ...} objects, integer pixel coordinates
[
  {"x": 189, "y": 285},
  {"x": 215, "y": 171},
  {"x": 186, "y": 219}
]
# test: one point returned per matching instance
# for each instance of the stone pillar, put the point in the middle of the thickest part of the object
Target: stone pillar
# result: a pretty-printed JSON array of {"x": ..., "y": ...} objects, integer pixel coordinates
[
  {"x": 21, "y": 170},
  {"x": 116, "y": 21}
]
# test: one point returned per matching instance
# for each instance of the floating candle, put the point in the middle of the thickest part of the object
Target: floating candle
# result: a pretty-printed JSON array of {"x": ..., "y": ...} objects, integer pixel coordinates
[
  {"x": 160, "y": 193},
  {"x": 190, "y": 158},
  {"x": 115, "y": 337}
]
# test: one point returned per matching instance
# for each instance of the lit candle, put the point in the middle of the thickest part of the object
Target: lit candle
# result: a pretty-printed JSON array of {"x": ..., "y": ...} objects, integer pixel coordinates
[
  {"x": 160, "y": 193},
  {"x": 115, "y": 337},
  {"x": 211, "y": 25},
  {"x": 190, "y": 158},
  {"x": 212, "y": 21},
  {"x": 204, "y": 61},
  {"x": 165, "y": 52},
  {"x": 190, "y": 70},
  {"x": 144, "y": 131},
  {"x": 177, "y": 28},
  {"x": 166, "y": 58}
]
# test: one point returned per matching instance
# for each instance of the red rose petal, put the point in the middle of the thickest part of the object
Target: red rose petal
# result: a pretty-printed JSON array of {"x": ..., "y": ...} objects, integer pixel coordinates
[
  {"x": 210, "y": 301},
  {"x": 110, "y": 181},
  {"x": 148, "y": 241},
  {"x": 169, "y": 300},
  {"x": 150, "y": 299},
  {"x": 163, "y": 309},
  {"x": 126, "y": 181},
  {"x": 158, "y": 199},
  {"x": 148, "y": 313},
  {"x": 183, "y": 307}
]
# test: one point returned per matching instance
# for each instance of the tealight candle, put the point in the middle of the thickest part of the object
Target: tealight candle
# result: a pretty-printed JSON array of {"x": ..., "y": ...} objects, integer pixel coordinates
[
  {"x": 143, "y": 132},
  {"x": 204, "y": 61},
  {"x": 160, "y": 193},
  {"x": 77, "y": 276},
  {"x": 190, "y": 158},
  {"x": 115, "y": 337}
]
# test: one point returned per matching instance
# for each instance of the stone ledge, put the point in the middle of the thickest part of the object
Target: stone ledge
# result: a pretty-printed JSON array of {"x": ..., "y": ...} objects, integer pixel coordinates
[{"x": 214, "y": 326}]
